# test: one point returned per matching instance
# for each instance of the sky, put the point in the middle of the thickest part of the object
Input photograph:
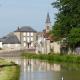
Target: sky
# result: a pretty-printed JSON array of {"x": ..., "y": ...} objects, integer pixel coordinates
[{"x": 14, "y": 13}]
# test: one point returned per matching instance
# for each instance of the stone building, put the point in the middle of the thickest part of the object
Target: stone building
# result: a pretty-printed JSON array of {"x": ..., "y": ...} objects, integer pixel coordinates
[
  {"x": 27, "y": 36},
  {"x": 47, "y": 24},
  {"x": 10, "y": 41},
  {"x": 22, "y": 38}
]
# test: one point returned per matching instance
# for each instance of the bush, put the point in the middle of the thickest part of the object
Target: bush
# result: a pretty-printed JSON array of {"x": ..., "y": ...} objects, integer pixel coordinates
[{"x": 53, "y": 57}]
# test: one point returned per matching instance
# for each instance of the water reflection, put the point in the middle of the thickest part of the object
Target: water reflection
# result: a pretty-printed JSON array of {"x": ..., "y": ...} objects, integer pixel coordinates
[
  {"x": 39, "y": 66},
  {"x": 42, "y": 70},
  {"x": 38, "y": 70}
]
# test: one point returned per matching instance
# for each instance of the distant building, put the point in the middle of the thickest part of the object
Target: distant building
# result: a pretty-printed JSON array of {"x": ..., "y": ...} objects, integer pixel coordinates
[
  {"x": 27, "y": 36},
  {"x": 22, "y": 38},
  {"x": 10, "y": 41},
  {"x": 47, "y": 24},
  {"x": 43, "y": 42}
]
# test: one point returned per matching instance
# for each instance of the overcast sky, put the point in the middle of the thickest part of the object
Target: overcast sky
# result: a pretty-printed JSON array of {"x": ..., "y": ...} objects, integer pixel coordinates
[{"x": 32, "y": 13}]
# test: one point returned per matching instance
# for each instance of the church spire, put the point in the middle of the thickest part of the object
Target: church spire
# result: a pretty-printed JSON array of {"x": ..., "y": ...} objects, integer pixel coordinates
[
  {"x": 48, "y": 23},
  {"x": 48, "y": 18}
]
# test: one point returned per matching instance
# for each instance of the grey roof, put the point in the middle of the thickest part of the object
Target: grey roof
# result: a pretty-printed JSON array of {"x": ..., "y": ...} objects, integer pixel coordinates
[
  {"x": 10, "y": 39},
  {"x": 1, "y": 39},
  {"x": 48, "y": 18},
  {"x": 25, "y": 29}
]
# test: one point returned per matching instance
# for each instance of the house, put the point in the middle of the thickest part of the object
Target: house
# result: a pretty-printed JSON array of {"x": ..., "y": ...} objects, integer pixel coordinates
[
  {"x": 22, "y": 38},
  {"x": 27, "y": 36},
  {"x": 10, "y": 41}
]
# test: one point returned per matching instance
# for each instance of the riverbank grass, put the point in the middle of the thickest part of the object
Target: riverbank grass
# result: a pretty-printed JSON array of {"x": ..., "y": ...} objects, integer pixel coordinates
[
  {"x": 53, "y": 57},
  {"x": 9, "y": 71}
]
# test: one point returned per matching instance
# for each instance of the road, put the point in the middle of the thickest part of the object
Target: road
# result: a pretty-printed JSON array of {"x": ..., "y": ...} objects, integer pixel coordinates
[
  {"x": 10, "y": 54},
  {"x": 15, "y": 53}
]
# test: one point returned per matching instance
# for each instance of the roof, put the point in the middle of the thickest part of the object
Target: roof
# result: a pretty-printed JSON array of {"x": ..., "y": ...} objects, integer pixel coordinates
[
  {"x": 39, "y": 33},
  {"x": 1, "y": 39},
  {"x": 25, "y": 29},
  {"x": 10, "y": 39},
  {"x": 48, "y": 36},
  {"x": 48, "y": 18}
]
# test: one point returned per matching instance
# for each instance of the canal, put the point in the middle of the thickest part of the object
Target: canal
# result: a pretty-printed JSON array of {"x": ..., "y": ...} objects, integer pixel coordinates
[{"x": 42, "y": 70}]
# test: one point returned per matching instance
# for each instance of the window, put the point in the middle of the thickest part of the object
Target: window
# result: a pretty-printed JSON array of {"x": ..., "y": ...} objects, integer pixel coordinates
[
  {"x": 28, "y": 33},
  {"x": 28, "y": 39},
  {"x": 31, "y": 33},
  {"x": 31, "y": 38},
  {"x": 24, "y": 44},
  {"x": 24, "y": 39},
  {"x": 24, "y": 34}
]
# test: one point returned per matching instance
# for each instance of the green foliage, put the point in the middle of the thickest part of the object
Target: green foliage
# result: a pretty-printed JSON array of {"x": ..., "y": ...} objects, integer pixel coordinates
[
  {"x": 67, "y": 18},
  {"x": 53, "y": 57},
  {"x": 7, "y": 72},
  {"x": 74, "y": 37}
]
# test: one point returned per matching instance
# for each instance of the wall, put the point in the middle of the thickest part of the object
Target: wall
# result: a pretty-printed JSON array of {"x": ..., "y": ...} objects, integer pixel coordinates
[
  {"x": 12, "y": 46},
  {"x": 0, "y": 44},
  {"x": 56, "y": 47},
  {"x": 43, "y": 46}
]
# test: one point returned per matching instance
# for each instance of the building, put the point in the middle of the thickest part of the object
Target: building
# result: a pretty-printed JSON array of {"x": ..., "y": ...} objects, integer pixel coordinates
[
  {"x": 43, "y": 42},
  {"x": 27, "y": 36},
  {"x": 47, "y": 24},
  {"x": 0, "y": 44},
  {"x": 22, "y": 38},
  {"x": 10, "y": 41}
]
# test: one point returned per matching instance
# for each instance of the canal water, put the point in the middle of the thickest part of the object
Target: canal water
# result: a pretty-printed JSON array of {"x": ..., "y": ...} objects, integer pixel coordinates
[{"x": 42, "y": 70}]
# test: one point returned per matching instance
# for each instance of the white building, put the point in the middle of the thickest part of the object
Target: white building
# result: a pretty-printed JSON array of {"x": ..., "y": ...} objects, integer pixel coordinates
[
  {"x": 43, "y": 43},
  {"x": 22, "y": 38},
  {"x": 10, "y": 42},
  {"x": 27, "y": 36},
  {"x": 0, "y": 44}
]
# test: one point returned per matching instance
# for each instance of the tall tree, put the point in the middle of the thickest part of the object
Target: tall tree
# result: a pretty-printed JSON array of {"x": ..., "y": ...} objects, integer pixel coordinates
[
  {"x": 67, "y": 18},
  {"x": 74, "y": 37}
]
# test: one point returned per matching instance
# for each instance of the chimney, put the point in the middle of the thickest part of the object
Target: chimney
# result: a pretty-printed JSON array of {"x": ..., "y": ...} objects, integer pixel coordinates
[{"x": 18, "y": 28}]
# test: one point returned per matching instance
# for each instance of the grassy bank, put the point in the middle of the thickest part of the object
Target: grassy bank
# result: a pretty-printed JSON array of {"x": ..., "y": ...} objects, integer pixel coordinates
[
  {"x": 53, "y": 57},
  {"x": 9, "y": 71}
]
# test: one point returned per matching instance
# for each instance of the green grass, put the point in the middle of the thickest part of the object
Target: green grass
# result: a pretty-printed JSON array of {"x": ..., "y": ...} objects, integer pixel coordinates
[
  {"x": 53, "y": 57},
  {"x": 10, "y": 71},
  {"x": 4, "y": 62}
]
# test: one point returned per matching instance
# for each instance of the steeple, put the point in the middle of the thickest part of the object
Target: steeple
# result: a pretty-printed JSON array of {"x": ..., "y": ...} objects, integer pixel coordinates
[
  {"x": 48, "y": 19},
  {"x": 48, "y": 23}
]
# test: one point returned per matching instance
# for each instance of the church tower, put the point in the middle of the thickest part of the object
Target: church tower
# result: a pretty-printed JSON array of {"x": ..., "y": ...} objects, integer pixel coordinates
[{"x": 48, "y": 23}]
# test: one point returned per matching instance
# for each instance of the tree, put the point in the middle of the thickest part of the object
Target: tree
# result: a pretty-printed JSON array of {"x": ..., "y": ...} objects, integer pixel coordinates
[
  {"x": 67, "y": 18},
  {"x": 74, "y": 37}
]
